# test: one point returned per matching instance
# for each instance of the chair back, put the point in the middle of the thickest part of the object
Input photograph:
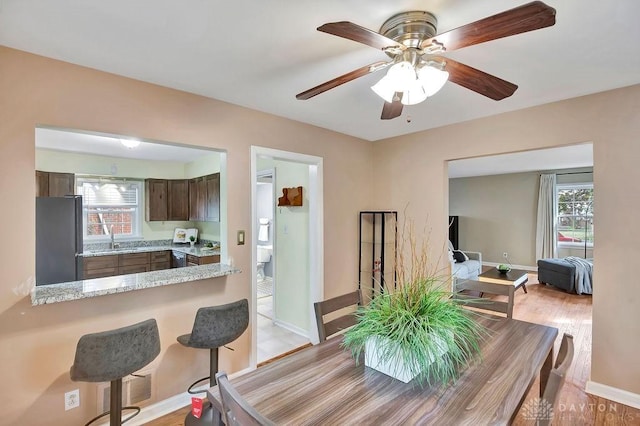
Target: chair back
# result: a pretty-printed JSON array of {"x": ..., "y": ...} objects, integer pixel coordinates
[
  {"x": 216, "y": 326},
  {"x": 236, "y": 410},
  {"x": 326, "y": 329},
  {"x": 481, "y": 288},
  {"x": 114, "y": 354},
  {"x": 558, "y": 374}
]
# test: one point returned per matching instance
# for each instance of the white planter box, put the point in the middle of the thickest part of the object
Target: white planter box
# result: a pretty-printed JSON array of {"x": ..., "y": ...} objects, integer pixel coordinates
[{"x": 394, "y": 367}]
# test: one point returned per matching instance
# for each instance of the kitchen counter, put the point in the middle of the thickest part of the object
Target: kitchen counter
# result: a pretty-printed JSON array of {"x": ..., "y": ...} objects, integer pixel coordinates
[
  {"x": 195, "y": 251},
  {"x": 83, "y": 289}
]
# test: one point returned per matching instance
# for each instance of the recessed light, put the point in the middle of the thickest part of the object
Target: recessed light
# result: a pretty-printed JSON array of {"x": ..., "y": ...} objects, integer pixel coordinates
[{"x": 130, "y": 143}]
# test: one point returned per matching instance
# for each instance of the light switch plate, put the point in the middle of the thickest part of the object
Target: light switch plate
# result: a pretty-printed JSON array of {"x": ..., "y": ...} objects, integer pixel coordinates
[{"x": 240, "y": 238}]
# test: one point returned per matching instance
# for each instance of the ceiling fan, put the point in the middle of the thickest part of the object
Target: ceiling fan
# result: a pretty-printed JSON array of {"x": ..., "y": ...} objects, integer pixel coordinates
[{"x": 416, "y": 70}]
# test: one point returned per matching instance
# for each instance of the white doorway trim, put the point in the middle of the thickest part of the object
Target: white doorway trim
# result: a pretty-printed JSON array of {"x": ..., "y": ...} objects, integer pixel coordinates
[{"x": 316, "y": 235}]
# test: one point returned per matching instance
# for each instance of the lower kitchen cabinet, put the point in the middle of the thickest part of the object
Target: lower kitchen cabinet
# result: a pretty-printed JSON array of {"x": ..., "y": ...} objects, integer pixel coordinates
[
  {"x": 160, "y": 260},
  {"x": 100, "y": 266},
  {"x": 133, "y": 269},
  {"x": 126, "y": 263}
]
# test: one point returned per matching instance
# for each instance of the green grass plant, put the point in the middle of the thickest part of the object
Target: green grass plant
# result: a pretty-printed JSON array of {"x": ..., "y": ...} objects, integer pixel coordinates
[{"x": 413, "y": 321}]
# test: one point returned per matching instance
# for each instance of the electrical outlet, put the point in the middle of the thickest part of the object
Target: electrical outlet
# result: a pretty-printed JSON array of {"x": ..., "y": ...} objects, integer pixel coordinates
[
  {"x": 505, "y": 255},
  {"x": 72, "y": 399}
]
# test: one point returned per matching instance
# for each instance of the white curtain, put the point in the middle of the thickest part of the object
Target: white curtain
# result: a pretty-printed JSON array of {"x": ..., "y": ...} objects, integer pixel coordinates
[{"x": 545, "y": 229}]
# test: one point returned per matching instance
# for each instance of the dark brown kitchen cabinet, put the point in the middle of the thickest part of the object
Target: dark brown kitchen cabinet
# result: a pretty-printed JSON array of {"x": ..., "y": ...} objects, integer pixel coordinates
[
  {"x": 204, "y": 198},
  {"x": 155, "y": 194},
  {"x": 197, "y": 198},
  {"x": 178, "y": 199},
  {"x": 212, "y": 210},
  {"x": 125, "y": 263},
  {"x": 133, "y": 263},
  {"x": 42, "y": 184},
  {"x": 166, "y": 199},
  {"x": 160, "y": 260},
  {"x": 100, "y": 266},
  {"x": 52, "y": 184}
]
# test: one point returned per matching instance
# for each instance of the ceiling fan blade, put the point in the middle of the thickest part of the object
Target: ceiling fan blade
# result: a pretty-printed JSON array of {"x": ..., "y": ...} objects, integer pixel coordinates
[
  {"x": 360, "y": 72},
  {"x": 363, "y": 35},
  {"x": 528, "y": 17},
  {"x": 479, "y": 81},
  {"x": 392, "y": 110}
]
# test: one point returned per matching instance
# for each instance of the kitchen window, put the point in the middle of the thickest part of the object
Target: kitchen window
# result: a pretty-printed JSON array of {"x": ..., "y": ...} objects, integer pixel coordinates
[
  {"x": 110, "y": 205},
  {"x": 574, "y": 215}
]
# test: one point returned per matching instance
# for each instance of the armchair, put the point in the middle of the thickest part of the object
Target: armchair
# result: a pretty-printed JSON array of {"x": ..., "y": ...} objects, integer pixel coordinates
[{"x": 468, "y": 269}]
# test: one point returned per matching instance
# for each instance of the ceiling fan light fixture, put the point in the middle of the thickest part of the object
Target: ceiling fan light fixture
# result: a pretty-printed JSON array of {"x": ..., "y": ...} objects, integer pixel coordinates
[
  {"x": 414, "y": 95},
  {"x": 402, "y": 76},
  {"x": 384, "y": 89},
  {"x": 432, "y": 79}
]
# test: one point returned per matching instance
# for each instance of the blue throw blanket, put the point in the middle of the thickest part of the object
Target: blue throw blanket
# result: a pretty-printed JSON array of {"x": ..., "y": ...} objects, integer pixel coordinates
[{"x": 584, "y": 270}]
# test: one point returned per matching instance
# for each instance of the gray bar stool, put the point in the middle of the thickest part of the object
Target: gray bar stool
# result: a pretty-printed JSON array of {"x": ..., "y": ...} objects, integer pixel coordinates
[
  {"x": 110, "y": 355},
  {"x": 214, "y": 326}
]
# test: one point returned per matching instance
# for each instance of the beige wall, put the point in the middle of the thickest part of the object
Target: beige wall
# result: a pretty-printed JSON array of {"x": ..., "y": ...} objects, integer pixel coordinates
[
  {"x": 411, "y": 171},
  {"x": 497, "y": 214},
  {"x": 37, "y": 344}
]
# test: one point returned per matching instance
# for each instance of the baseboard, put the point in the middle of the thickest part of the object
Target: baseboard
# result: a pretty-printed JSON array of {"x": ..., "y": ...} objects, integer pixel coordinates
[
  {"x": 169, "y": 405},
  {"x": 614, "y": 394},
  {"x": 292, "y": 328},
  {"x": 523, "y": 267}
]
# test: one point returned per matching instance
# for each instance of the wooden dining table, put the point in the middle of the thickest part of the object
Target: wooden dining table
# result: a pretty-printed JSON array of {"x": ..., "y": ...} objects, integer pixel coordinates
[{"x": 323, "y": 384}]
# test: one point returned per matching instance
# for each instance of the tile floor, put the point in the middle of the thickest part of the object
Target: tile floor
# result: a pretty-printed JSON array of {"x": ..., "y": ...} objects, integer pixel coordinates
[{"x": 273, "y": 340}]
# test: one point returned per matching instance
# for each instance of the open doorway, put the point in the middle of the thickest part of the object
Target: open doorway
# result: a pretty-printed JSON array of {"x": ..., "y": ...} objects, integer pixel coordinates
[
  {"x": 495, "y": 200},
  {"x": 287, "y": 252}
]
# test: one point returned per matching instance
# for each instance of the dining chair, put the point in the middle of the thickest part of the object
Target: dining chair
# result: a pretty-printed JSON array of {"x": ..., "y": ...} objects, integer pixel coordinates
[
  {"x": 325, "y": 307},
  {"x": 557, "y": 375},
  {"x": 485, "y": 288},
  {"x": 236, "y": 411}
]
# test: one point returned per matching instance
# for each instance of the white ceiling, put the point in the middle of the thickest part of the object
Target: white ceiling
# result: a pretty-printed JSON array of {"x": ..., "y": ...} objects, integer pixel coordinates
[
  {"x": 567, "y": 157},
  {"x": 260, "y": 54},
  {"x": 110, "y": 146}
]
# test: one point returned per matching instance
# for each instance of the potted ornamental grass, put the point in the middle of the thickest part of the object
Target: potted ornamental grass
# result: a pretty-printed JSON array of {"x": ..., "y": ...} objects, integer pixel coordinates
[{"x": 416, "y": 330}]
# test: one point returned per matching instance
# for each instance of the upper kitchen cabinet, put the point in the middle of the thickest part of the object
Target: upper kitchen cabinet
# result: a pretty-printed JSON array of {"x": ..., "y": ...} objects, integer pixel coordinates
[
  {"x": 178, "y": 201},
  {"x": 204, "y": 198},
  {"x": 156, "y": 200},
  {"x": 166, "y": 199},
  {"x": 212, "y": 207},
  {"x": 50, "y": 184},
  {"x": 197, "y": 198}
]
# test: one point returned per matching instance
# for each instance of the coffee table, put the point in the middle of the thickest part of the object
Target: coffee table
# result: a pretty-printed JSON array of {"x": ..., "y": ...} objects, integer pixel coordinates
[{"x": 515, "y": 277}]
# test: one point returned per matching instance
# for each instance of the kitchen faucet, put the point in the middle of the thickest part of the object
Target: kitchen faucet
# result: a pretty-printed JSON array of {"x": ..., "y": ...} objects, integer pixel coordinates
[{"x": 113, "y": 242}]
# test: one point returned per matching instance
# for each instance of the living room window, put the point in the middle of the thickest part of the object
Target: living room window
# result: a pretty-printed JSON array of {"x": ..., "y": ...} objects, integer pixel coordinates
[
  {"x": 110, "y": 205},
  {"x": 574, "y": 215}
]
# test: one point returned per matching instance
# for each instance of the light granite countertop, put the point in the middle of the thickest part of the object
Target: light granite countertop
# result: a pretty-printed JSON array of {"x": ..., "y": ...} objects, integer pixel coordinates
[
  {"x": 83, "y": 289},
  {"x": 199, "y": 251}
]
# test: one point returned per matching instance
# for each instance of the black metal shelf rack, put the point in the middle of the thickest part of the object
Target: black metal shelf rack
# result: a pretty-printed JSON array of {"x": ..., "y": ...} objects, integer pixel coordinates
[{"x": 378, "y": 248}]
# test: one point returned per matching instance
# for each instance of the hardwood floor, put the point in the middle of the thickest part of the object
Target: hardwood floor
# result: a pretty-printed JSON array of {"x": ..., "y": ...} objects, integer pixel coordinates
[{"x": 569, "y": 313}]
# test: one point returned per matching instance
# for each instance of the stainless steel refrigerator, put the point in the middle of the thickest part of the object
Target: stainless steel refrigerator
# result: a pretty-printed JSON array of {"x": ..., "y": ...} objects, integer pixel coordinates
[{"x": 58, "y": 239}]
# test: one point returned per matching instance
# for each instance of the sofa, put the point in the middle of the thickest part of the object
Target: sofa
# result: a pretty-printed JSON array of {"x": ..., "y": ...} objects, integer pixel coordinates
[{"x": 468, "y": 269}]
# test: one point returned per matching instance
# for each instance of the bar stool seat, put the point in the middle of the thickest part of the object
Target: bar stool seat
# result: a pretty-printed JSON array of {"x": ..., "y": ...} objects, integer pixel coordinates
[
  {"x": 214, "y": 326},
  {"x": 109, "y": 356}
]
